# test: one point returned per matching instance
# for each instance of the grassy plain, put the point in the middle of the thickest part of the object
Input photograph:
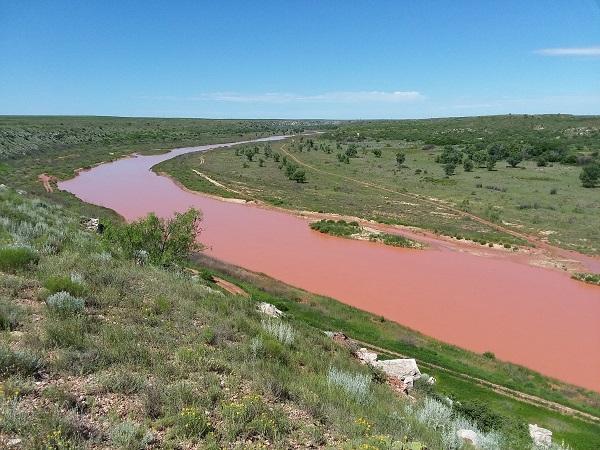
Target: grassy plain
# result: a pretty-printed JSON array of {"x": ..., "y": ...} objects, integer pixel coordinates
[{"x": 547, "y": 202}]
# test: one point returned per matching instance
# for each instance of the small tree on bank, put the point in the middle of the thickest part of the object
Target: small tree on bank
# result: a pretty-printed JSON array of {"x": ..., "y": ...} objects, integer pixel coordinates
[{"x": 165, "y": 242}]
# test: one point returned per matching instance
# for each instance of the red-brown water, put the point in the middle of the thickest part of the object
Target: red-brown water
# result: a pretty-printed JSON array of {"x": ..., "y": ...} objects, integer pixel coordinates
[{"x": 536, "y": 317}]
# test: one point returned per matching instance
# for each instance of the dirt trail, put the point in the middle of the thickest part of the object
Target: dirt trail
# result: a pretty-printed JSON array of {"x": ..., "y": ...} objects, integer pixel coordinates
[
  {"x": 230, "y": 287},
  {"x": 532, "y": 240},
  {"x": 47, "y": 181},
  {"x": 503, "y": 390}
]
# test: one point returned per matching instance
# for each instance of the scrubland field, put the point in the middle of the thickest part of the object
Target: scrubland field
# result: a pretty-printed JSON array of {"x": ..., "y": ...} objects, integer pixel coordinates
[
  {"x": 542, "y": 195},
  {"x": 109, "y": 341}
]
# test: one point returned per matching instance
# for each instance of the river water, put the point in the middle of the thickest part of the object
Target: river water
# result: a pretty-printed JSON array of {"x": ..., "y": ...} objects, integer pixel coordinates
[{"x": 532, "y": 316}]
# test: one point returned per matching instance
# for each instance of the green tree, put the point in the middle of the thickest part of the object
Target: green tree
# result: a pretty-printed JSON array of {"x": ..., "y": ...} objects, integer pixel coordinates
[
  {"x": 164, "y": 242},
  {"x": 400, "y": 158},
  {"x": 590, "y": 175},
  {"x": 515, "y": 156},
  {"x": 468, "y": 165},
  {"x": 299, "y": 176},
  {"x": 449, "y": 168},
  {"x": 490, "y": 162}
]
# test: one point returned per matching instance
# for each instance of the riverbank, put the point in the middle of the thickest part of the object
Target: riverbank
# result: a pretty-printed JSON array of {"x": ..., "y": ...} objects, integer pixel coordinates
[{"x": 472, "y": 291}]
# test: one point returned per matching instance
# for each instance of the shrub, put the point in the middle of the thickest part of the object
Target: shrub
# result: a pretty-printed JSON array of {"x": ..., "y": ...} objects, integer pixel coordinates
[
  {"x": 166, "y": 242},
  {"x": 130, "y": 436},
  {"x": 60, "y": 283},
  {"x": 64, "y": 303},
  {"x": 15, "y": 257},
  {"x": 192, "y": 423},
  {"x": 250, "y": 417},
  {"x": 357, "y": 385},
  {"x": 18, "y": 362},
  {"x": 489, "y": 355},
  {"x": 9, "y": 316},
  {"x": 590, "y": 175},
  {"x": 122, "y": 381},
  {"x": 280, "y": 330},
  {"x": 69, "y": 332},
  {"x": 480, "y": 413}
]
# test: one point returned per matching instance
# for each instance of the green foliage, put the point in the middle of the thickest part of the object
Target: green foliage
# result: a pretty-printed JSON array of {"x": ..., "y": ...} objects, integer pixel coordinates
[
  {"x": 161, "y": 242},
  {"x": 592, "y": 278},
  {"x": 299, "y": 176},
  {"x": 14, "y": 258},
  {"x": 61, "y": 283},
  {"x": 18, "y": 362},
  {"x": 449, "y": 168},
  {"x": 590, "y": 175},
  {"x": 468, "y": 165},
  {"x": 489, "y": 355},
  {"x": 336, "y": 228},
  {"x": 250, "y": 418},
  {"x": 192, "y": 423},
  {"x": 64, "y": 304},
  {"x": 400, "y": 158},
  {"x": 481, "y": 414},
  {"x": 514, "y": 157},
  {"x": 10, "y": 315}
]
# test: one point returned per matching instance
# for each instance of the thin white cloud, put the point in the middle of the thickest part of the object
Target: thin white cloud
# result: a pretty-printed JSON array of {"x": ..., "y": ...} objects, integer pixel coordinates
[
  {"x": 283, "y": 97},
  {"x": 570, "y": 51}
]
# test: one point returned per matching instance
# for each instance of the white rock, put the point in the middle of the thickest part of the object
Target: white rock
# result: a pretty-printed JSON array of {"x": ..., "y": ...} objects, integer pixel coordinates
[
  {"x": 366, "y": 357},
  {"x": 269, "y": 310},
  {"x": 400, "y": 368},
  {"x": 468, "y": 435},
  {"x": 541, "y": 436},
  {"x": 13, "y": 442}
]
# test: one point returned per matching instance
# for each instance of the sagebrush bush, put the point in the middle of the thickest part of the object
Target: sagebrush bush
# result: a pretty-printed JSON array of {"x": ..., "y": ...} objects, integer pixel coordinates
[
  {"x": 280, "y": 330},
  {"x": 14, "y": 257},
  {"x": 64, "y": 303},
  {"x": 357, "y": 385},
  {"x": 129, "y": 435}
]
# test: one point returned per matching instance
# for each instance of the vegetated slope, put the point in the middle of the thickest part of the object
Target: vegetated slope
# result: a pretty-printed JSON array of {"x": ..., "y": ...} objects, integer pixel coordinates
[
  {"x": 59, "y": 145},
  {"x": 35, "y": 135},
  {"x": 98, "y": 350}
]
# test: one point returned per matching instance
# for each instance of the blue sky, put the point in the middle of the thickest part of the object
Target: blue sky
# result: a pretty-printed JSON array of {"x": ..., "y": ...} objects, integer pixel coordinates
[{"x": 299, "y": 59}]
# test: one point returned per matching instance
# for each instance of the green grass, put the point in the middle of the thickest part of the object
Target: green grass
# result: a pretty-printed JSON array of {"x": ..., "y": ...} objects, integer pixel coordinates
[
  {"x": 13, "y": 258},
  {"x": 353, "y": 230}
]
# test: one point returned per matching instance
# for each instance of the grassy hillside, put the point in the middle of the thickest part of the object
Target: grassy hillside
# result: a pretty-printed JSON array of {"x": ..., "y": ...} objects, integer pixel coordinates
[
  {"x": 133, "y": 356},
  {"x": 96, "y": 350}
]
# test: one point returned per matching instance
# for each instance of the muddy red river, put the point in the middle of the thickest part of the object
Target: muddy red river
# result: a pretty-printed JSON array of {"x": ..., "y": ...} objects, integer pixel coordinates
[{"x": 533, "y": 316}]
